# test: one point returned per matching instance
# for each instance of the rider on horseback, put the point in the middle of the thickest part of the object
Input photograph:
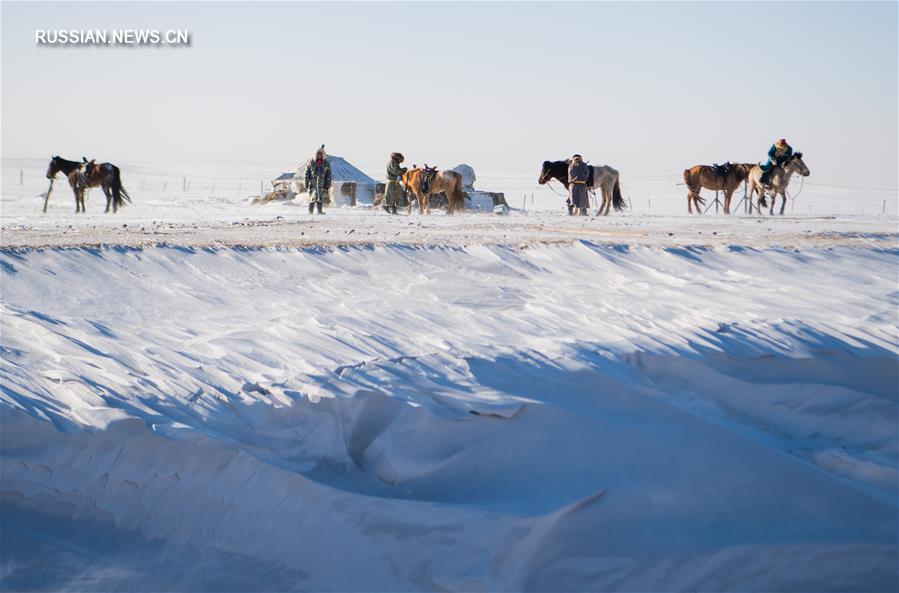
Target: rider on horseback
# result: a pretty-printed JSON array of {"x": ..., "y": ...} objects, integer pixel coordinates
[{"x": 779, "y": 153}]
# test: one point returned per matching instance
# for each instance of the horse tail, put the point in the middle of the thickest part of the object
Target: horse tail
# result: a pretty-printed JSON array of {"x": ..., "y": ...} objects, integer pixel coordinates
[
  {"x": 458, "y": 197},
  {"x": 688, "y": 181},
  {"x": 119, "y": 196},
  {"x": 617, "y": 200}
]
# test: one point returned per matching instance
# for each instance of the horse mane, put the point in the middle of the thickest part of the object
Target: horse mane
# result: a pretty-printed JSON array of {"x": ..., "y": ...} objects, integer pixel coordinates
[
  {"x": 66, "y": 161},
  {"x": 797, "y": 155}
]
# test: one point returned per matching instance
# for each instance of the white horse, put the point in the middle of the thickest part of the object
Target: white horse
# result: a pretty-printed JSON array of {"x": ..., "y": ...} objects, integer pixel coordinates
[
  {"x": 605, "y": 180},
  {"x": 779, "y": 180}
]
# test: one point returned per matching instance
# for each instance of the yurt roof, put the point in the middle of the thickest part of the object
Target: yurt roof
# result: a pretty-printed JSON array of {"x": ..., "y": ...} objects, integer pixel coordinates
[{"x": 341, "y": 170}]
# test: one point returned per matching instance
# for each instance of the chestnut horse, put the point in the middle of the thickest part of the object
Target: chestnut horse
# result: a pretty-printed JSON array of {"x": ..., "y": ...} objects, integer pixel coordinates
[
  {"x": 605, "y": 179},
  {"x": 726, "y": 178},
  {"x": 85, "y": 175},
  {"x": 448, "y": 182},
  {"x": 779, "y": 180}
]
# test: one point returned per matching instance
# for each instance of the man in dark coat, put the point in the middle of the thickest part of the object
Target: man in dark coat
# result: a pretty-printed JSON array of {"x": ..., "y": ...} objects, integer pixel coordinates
[
  {"x": 394, "y": 194},
  {"x": 318, "y": 180},
  {"x": 578, "y": 173}
]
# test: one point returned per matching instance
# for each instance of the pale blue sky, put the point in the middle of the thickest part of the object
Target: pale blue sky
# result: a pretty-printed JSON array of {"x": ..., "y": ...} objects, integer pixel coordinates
[{"x": 650, "y": 88}]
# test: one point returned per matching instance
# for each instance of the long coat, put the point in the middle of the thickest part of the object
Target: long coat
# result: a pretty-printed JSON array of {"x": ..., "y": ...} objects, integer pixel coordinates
[
  {"x": 318, "y": 180},
  {"x": 394, "y": 194},
  {"x": 776, "y": 157},
  {"x": 578, "y": 173}
]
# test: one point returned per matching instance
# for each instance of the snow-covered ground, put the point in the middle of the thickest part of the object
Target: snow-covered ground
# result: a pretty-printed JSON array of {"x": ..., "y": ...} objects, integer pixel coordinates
[
  {"x": 204, "y": 192},
  {"x": 218, "y": 399}
]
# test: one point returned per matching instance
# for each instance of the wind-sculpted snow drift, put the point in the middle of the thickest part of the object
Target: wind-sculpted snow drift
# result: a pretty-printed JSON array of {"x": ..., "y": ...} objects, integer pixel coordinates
[{"x": 570, "y": 417}]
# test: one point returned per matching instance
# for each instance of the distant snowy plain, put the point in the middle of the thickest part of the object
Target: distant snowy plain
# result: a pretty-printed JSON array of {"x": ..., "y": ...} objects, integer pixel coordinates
[{"x": 511, "y": 413}]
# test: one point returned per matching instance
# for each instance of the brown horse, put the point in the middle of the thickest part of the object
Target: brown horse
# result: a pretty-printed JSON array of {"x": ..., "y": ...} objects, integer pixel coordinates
[
  {"x": 423, "y": 183},
  {"x": 85, "y": 175},
  {"x": 726, "y": 178}
]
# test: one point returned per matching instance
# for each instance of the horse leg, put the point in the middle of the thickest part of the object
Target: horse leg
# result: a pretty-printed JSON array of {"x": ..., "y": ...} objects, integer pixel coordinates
[
  {"x": 783, "y": 204},
  {"x": 108, "y": 193},
  {"x": 427, "y": 204},
  {"x": 690, "y": 202},
  {"x": 728, "y": 194},
  {"x": 773, "y": 202}
]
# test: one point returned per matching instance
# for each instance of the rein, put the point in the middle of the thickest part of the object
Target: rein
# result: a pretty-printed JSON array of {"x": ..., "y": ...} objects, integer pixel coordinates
[
  {"x": 552, "y": 190},
  {"x": 801, "y": 185}
]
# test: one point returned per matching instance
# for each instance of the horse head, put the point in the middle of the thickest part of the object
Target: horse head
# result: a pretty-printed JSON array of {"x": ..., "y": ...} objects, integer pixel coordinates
[
  {"x": 797, "y": 165},
  {"x": 554, "y": 170},
  {"x": 741, "y": 170},
  {"x": 406, "y": 178},
  {"x": 53, "y": 167},
  {"x": 544, "y": 173}
]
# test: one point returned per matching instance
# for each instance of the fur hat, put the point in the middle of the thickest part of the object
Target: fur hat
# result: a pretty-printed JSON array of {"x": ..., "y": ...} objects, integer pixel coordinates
[
  {"x": 577, "y": 157},
  {"x": 781, "y": 142},
  {"x": 397, "y": 156},
  {"x": 321, "y": 150}
]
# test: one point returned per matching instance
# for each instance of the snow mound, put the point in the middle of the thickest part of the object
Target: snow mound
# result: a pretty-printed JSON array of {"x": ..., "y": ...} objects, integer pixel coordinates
[
  {"x": 468, "y": 177},
  {"x": 570, "y": 417}
]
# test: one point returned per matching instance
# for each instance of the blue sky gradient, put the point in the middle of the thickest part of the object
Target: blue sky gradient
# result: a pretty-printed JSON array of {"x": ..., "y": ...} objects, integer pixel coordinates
[{"x": 650, "y": 88}]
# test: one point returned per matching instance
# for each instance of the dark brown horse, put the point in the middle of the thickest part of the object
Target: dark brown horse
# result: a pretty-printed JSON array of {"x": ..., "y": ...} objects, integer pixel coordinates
[{"x": 85, "y": 175}]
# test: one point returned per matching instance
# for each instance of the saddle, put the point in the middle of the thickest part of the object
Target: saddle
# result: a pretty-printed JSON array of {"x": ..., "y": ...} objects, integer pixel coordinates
[
  {"x": 427, "y": 176},
  {"x": 722, "y": 170},
  {"x": 88, "y": 166}
]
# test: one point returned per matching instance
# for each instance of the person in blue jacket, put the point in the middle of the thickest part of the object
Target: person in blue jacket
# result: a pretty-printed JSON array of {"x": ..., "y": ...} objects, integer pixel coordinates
[{"x": 779, "y": 153}]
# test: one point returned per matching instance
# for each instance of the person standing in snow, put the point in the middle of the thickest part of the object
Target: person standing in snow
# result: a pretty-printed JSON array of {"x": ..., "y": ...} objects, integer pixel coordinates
[
  {"x": 578, "y": 174},
  {"x": 394, "y": 194},
  {"x": 779, "y": 153},
  {"x": 318, "y": 179}
]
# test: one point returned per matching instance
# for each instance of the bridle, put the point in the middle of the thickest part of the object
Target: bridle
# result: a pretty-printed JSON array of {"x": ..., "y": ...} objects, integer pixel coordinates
[
  {"x": 546, "y": 183},
  {"x": 545, "y": 179}
]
